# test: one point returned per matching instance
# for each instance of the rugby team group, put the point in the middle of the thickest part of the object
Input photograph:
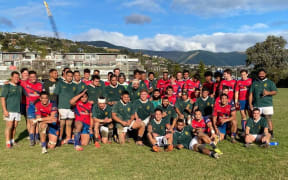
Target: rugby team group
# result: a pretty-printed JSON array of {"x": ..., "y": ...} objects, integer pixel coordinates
[{"x": 174, "y": 111}]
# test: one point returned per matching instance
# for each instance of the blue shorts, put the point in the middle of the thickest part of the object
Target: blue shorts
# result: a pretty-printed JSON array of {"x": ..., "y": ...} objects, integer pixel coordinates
[
  {"x": 207, "y": 119},
  {"x": 222, "y": 128},
  {"x": 31, "y": 111},
  {"x": 244, "y": 105},
  {"x": 23, "y": 109},
  {"x": 53, "y": 128},
  {"x": 85, "y": 128}
]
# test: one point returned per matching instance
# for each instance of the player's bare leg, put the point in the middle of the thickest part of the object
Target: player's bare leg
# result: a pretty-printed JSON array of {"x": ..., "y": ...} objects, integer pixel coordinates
[
  {"x": 77, "y": 135},
  {"x": 96, "y": 134},
  {"x": 8, "y": 133},
  {"x": 141, "y": 128},
  {"x": 42, "y": 129}
]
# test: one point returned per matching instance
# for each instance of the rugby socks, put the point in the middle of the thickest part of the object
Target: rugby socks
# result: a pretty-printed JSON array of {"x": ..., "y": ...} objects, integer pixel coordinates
[
  {"x": 110, "y": 135},
  {"x": 43, "y": 144},
  {"x": 12, "y": 141},
  {"x": 8, "y": 142},
  {"x": 139, "y": 138},
  {"x": 271, "y": 132},
  {"x": 213, "y": 145},
  {"x": 243, "y": 124},
  {"x": 77, "y": 139},
  {"x": 37, "y": 137},
  {"x": 31, "y": 137},
  {"x": 97, "y": 139},
  {"x": 233, "y": 135}
]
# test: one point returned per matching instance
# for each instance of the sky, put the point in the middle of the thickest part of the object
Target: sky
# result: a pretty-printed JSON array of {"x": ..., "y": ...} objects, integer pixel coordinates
[{"x": 182, "y": 25}]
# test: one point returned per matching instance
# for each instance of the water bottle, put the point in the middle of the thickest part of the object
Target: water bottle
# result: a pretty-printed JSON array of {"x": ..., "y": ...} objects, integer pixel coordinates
[{"x": 273, "y": 143}]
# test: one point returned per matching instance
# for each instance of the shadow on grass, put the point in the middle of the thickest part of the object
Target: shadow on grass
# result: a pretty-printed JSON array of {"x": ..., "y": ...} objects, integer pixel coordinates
[{"x": 22, "y": 135}]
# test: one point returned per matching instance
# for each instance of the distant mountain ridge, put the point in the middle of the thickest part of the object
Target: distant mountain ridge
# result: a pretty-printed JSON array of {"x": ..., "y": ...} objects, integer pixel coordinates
[{"x": 189, "y": 57}]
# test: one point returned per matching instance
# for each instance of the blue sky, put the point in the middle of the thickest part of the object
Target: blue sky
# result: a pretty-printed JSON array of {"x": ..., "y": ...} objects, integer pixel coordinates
[{"x": 214, "y": 25}]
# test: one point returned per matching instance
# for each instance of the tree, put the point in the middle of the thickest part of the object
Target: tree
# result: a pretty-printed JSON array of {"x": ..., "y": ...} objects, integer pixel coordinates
[
  {"x": 201, "y": 70},
  {"x": 271, "y": 55}
]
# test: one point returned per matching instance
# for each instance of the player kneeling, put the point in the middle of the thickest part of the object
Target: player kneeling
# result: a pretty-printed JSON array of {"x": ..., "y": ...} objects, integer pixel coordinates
[
  {"x": 160, "y": 132},
  {"x": 123, "y": 114},
  {"x": 102, "y": 122},
  {"x": 46, "y": 116},
  {"x": 189, "y": 138},
  {"x": 257, "y": 130},
  {"x": 83, "y": 113}
]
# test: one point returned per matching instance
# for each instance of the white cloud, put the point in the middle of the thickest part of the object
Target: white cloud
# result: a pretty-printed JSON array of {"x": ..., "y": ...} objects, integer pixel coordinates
[
  {"x": 147, "y": 5},
  {"x": 258, "y": 26},
  {"x": 137, "y": 19},
  {"x": 228, "y": 7},
  {"x": 217, "y": 42}
]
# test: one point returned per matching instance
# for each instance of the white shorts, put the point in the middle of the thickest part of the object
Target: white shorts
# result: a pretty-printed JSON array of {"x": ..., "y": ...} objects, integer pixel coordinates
[
  {"x": 193, "y": 142},
  {"x": 267, "y": 110},
  {"x": 161, "y": 141},
  {"x": 128, "y": 128},
  {"x": 104, "y": 131},
  {"x": 257, "y": 137},
  {"x": 66, "y": 114},
  {"x": 13, "y": 116},
  {"x": 146, "y": 121}
]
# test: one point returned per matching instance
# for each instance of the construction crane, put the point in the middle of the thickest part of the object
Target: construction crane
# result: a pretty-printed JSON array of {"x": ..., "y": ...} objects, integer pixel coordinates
[{"x": 51, "y": 20}]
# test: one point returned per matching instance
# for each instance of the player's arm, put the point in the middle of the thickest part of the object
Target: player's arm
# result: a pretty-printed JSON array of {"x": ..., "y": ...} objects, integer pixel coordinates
[
  {"x": 231, "y": 118},
  {"x": 3, "y": 103},
  {"x": 179, "y": 113},
  {"x": 76, "y": 98},
  {"x": 251, "y": 100},
  {"x": 247, "y": 130},
  {"x": 214, "y": 120},
  {"x": 118, "y": 120},
  {"x": 236, "y": 94}
]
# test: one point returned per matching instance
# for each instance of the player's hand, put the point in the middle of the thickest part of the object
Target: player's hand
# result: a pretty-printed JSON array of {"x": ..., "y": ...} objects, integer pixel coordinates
[
  {"x": 265, "y": 92},
  {"x": 6, "y": 113},
  {"x": 164, "y": 114},
  {"x": 179, "y": 146},
  {"x": 181, "y": 116},
  {"x": 251, "y": 107},
  {"x": 125, "y": 124},
  {"x": 84, "y": 91},
  {"x": 91, "y": 102},
  {"x": 138, "y": 120}
]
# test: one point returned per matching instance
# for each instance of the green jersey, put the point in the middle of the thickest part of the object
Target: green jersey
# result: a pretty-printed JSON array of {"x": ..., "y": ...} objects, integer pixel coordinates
[
  {"x": 12, "y": 94},
  {"x": 94, "y": 92},
  {"x": 80, "y": 86},
  {"x": 257, "y": 88},
  {"x": 113, "y": 93},
  {"x": 257, "y": 127},
  {"x": 123, "y": 111},
  {"x": 159, "y": 127},
  {"x": 183, "y": 137},
  {"x": 183, "y": 106},
  {"x": 49, "y": 87},
  {"x": 205, "y": 105},
  {"x": 65, "y": 91},
  {"x": 101, "y": 113},
  {"x": 142, "y": 85},
  {"x": 143, "y": 109},
  {"x": 156, "y": 103},
  {"x": 152, "y": 84},
  {"x": 170, "y": 111},
  {"x": 133, "y": 93}
]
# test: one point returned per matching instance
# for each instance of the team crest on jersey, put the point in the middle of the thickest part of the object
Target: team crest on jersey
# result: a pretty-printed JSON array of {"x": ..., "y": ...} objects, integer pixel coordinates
[
  {"x": 169, "y": 112},
  {"x": 74, "y": 88},
  {"x": 148, "y": 107},
  {"x": 128, "y": 109},
  {"x": 265, "y": 85},
  {"x": 186, "y": 133},
  {"x": 120, "y": 91},
  {"x": 111, "y": 92},
  {"x": 83, "y": 86},
  {"x": 138, "y": 93},
  {"x": 106, "y": 113},
  {"x": 208, "y": 104}
]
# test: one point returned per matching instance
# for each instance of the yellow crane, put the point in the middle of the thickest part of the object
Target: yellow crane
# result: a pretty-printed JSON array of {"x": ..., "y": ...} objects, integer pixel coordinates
[{"x": 52, "y": 22}]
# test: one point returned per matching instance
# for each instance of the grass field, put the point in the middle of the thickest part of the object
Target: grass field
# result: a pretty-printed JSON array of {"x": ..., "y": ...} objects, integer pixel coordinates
[{"x": 133, "y": 162}]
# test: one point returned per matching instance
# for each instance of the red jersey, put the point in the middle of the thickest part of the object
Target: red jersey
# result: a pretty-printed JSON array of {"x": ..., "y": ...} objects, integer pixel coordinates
[
  {"x": 45, "y": 110},
  {"x": 172, "y": 99},
  {"x": 243, "y": 87},
  {"x": 23, "y": 99},
  {"x": 180, "y": 84},
  {"x": 223, "y": 112},
  {"x": 218, "y": 102},
  {"x": 147, "y": 83},
  {"x": 209, "y": 86},
  {"x": 216, "y": 86},
  {"x": 32, "y": 91},
  {"x": 196, "y": 124},
  {"x": 107, "y": 83},
  {"x": 176, "y": 89},
  {"x": 191, "y": 85},
  {"x": 231, "y": 85},
  {"x": 162, "y": 85},
  {"x": 87, "y": 82},
  {"x": 83, "y": 112}
]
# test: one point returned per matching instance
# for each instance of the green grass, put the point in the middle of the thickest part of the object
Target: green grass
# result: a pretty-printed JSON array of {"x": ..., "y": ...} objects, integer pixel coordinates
[{"x": 133, "y": 162}]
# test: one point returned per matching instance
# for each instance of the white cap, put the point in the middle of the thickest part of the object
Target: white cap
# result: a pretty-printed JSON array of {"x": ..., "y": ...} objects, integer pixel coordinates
[{"x": 101, "y": 100}]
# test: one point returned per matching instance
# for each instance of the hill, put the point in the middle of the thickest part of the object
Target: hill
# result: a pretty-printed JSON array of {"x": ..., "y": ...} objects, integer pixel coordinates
[{"x": 190, "y": 57}]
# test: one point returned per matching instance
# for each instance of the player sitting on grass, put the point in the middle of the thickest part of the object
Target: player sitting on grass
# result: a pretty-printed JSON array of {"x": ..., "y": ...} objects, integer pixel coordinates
[
  {"x": 83, "y": 113},
  {"x": 10, "y": 99},
  {"x": 257, "y": 130},
  {"x": 189, "y": 138},
  {"x": 160, "y": 132},
  {"x": 143, "y": 107},
  {"x": 223, "y": 114},
  {"x": 123, "y": 114},
  {"x": 101, "y": 114},
  {"x": 46, "y": 116},
  {"x": 183, "y": 108}
]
